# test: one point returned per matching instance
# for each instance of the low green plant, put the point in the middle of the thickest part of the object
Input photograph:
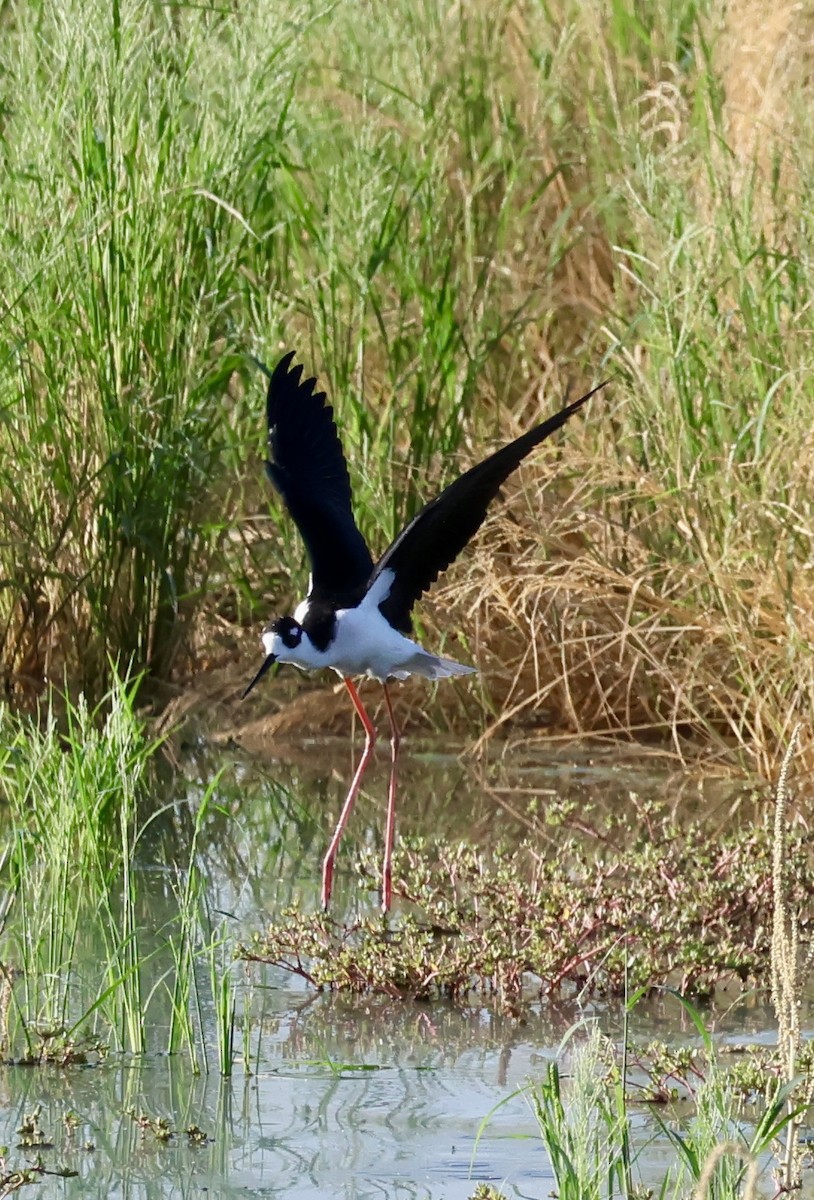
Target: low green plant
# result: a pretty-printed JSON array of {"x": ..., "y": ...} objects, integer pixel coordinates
[
  {"x": 71, "y": 787},
  {"x": 721, "y": 1146},
  {"x": 585, "y": 1126},
  {"x": 634, "y": 898},
  {"x": 182, "y": 942},
  {"x": 84, "y": 968},
  {"x": 586, "y": 1117},
  {"x": 224, "y": 999}
]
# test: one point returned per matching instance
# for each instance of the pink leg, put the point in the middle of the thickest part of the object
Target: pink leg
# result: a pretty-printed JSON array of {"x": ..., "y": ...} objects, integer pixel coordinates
[
  {"x": 350, "y": 799},
  {"x": 390, "y": 826}
]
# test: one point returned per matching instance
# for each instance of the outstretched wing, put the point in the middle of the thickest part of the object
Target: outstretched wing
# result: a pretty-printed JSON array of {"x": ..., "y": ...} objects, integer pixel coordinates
[
  {"x": 437, "y": 535},
  {"x": 308, "y": 468}
]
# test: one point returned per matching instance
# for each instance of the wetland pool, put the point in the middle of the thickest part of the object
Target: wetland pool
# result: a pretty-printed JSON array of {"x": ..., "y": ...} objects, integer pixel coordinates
[{"x": 331, "y": 1095}]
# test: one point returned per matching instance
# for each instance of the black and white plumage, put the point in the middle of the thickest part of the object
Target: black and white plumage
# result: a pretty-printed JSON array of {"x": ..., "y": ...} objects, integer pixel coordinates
[{"x": 356, "y": 617}]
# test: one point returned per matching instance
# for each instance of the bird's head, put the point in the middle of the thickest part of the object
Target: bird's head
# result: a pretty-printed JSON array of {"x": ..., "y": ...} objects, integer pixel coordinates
[{"x": 281, "y": 639}]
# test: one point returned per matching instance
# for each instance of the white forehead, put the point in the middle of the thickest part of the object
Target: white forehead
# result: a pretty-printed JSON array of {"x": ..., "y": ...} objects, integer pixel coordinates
[{"x": 271, "y": 641}]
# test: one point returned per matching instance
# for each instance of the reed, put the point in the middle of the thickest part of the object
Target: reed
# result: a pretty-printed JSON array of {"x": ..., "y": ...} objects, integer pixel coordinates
[
  {"x": 455, "y": 216},
  {"x": 84, "y": 965}
]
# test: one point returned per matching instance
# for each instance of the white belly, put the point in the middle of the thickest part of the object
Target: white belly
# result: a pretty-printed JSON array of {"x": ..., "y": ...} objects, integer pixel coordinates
[{"x": 364, "y": 643}]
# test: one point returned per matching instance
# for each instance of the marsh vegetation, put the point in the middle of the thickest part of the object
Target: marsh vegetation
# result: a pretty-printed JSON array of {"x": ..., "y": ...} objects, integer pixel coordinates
[
  {"x": 154, "y": 918},
  {"x": 458, "y": 216}
]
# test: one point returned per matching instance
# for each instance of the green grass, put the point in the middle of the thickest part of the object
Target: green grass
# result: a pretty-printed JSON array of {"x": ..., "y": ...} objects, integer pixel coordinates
[
  {"x": 455, "y": 216},
  {"x": 587, "y": 1123},
  {"x": 167, "y": 185},
  {"x": 70, "y": 797},
  {"x": 87, "y": 967}
]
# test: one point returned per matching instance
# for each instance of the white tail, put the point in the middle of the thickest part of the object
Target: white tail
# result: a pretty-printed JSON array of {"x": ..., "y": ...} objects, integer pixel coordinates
[{"x": 431, "y": 667}]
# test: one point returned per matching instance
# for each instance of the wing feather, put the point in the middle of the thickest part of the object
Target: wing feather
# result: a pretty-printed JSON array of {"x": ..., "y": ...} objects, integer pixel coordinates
[
  {"x": 437, "y": 534},
  {"x": 307, "y": 467}
]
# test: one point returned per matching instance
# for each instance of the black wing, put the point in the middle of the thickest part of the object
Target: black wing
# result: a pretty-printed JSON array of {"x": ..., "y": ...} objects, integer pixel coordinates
[
  {"x": 437, "y": 535},
  {"x": 308, "y": 468}
]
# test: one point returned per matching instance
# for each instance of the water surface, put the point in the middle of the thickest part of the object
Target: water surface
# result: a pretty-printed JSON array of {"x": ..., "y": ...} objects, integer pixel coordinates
[{"x": 336, "y": 1096}]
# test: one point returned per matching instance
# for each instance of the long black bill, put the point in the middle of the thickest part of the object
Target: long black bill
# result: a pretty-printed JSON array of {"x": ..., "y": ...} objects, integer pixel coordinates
[{"x": 267, "y": 662}]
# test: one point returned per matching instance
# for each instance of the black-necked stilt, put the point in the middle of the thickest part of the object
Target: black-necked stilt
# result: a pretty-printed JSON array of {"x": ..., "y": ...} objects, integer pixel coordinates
[{"x": 356, "y": 616}]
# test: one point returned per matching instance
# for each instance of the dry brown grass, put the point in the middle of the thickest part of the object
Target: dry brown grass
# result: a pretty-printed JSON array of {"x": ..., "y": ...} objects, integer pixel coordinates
[
  {"x": 579, "y": 628},
  {"x": 764, "y": 56},
  {"x": 582, "y": 629}
]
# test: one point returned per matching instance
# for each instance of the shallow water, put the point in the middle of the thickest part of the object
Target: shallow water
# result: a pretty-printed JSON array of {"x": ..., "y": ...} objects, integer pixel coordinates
[
  {"x": 331, "y": 1096},
  {"x": 408, "y": 1124}
]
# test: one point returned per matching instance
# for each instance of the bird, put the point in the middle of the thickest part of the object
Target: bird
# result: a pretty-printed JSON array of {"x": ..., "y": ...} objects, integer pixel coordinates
[{"x": 356, "y": 616}]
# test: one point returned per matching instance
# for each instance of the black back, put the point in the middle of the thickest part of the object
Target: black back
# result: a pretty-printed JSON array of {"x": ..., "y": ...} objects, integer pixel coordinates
[
  {"x": 308, "y": 468},
  {"x": 436, "y": 536}
]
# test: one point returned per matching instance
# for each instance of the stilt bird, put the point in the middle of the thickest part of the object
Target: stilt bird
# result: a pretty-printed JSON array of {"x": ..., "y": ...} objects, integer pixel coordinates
[{"x": 356, "y": 616}]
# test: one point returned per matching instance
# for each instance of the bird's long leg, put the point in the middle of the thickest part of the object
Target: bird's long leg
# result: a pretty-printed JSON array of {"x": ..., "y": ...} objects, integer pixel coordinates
[
  {"x": 390, "y": 825},
  {"x": 353, "y": 791}
]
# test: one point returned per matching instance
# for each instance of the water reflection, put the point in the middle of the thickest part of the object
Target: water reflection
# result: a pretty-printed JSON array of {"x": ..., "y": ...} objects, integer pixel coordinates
[
  {"x": 334, "y": 1096},
  {"x": 274, "y": 818},
  {"x": 307, "y": 1122}
]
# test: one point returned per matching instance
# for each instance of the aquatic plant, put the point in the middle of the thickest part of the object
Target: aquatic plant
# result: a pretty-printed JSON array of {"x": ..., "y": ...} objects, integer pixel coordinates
[
  {"x": 83, "y": 966},
  {"x": 586, "y": 1116},
  {"x": 643, "y": 900}
]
